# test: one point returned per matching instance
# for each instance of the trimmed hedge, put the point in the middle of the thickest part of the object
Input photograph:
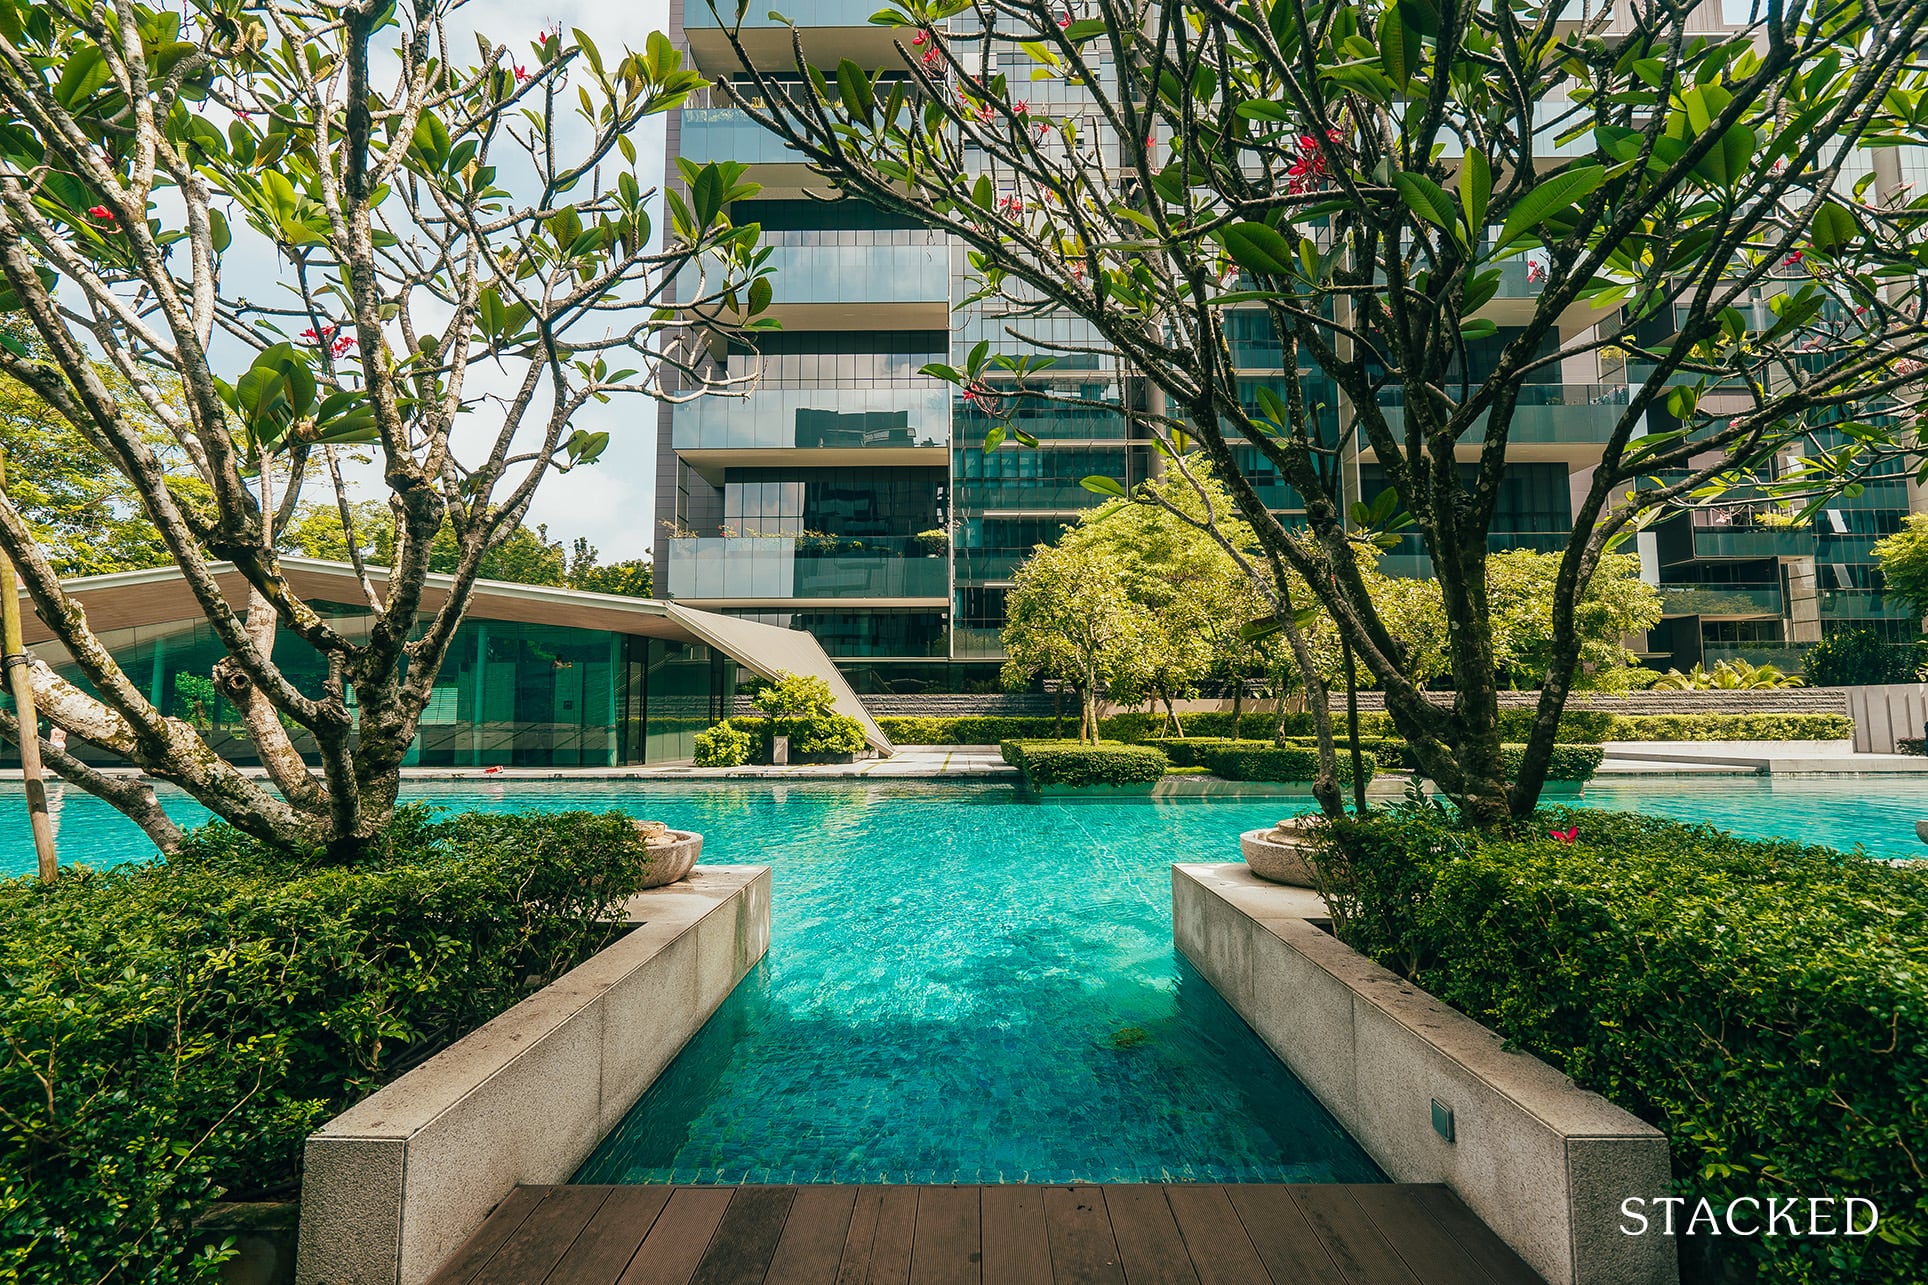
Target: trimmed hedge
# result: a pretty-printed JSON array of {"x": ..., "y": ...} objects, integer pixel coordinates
[
  {"x": 1730, "y": 727},
  {"x": 1577, "y": 727},
  {"x": 176, "y": 1030},
  {"x": 1567, "y": 763},
  {"x": 1068, "y": 763},
  {"x": 1256, "y": 760},
  {"x": 1763, "y": 1003}
]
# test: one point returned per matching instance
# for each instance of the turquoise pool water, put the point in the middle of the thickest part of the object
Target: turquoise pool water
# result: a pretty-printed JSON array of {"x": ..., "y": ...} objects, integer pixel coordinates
[
  {"x": 964, "y": 985},
  {"x": 1878, "y": 812}
]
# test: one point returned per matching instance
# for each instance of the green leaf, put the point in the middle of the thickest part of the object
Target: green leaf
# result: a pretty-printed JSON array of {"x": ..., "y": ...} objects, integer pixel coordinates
[
  {"x": 853, "y": 86},
  {"x": 1102, "y": 486},
  {"x": 1257, "y": 248},
  {"x": 1475, "y": 189},
  {"x": 1833, "y": 228},
  {"x": 1421, "y": 16},
  {"x": 1479, "y": 328},
  {"x": 1426, "y": 199},
  {"x": 1399, "y": 48},
  {"x": 1561, "y": 192}
]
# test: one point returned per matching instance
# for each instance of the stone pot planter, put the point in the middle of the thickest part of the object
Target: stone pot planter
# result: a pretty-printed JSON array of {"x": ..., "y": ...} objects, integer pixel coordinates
[
  {"x": 669, "y": 862},
  {"x": 1274, "y": 855}
]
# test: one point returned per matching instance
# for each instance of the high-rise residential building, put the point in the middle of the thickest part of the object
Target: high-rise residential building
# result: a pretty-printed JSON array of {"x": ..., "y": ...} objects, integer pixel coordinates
[{"x": 847, "y": 495}]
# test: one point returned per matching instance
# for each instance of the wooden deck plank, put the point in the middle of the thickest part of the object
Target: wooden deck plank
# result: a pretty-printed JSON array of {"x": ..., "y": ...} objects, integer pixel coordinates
[
  {"x": 679, "y": 1238},
  {"x": 612, "y": 1237},
  {"x": 1120, "y": 1234},
  {"x": 502, "y": 1223},
  {"x": 1493, "y": 1256},
  {"x": 896, "y": 1231},
  {"x": 1285, "y": 1241},
  {"x": 1215, "y": 1240},
  {"x": 1429, "y": 1251},
  {"x": 1150, "y": 1248},
  {"x": 813, "y": 1238},
  {"x": 1356, "y": 1245},
  {"x": 946, "y": 1248},
  {"x": 1016, "y": 1249},
  {"x": 542, "y": 1241},
  {"x": 1079, "y": 1229},
  {"x": 740, "y": 1251},
  {"x": 864, "y": 1211}
]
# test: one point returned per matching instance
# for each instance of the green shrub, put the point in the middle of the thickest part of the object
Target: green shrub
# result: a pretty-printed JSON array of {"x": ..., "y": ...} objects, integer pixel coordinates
[
  {"x": 1567, "y": 763},
  {"x": 972, "y": 729},
  {"x": 1256, "y": 760},
  {"x": 723, "y": 745},
  {"x": 1763, "y": 1003},
  {"x": 1858, "y": 658},
  {"x": 175, "y": 1030},
  {"x": 1068, "y": 763},
  {"x": 1730, "y": 727},
  {"x": 802, "y": 708},
  {"x": 1577, "y": 727}
]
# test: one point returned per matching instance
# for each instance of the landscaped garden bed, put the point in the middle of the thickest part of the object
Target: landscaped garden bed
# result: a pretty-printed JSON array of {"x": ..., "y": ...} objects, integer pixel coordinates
[
  {"x": 176, "y": 1030},
  {"x": 1577, "y": 727},
  {"x": 1765, "y": 1004}
]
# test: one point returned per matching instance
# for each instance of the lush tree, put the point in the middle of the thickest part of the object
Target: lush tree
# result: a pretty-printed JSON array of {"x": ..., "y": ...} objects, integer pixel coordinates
[
  {"x": 86, "y": 518},
  {"x": 1070, "y": 617},
  {"x": 290, "y": 230},
  {"x": 1362, "y": 180},
  {"x": 1904, "y": 562},
  {"x": 630, "y": 578},
  {"x": 1859, "y": 658}
]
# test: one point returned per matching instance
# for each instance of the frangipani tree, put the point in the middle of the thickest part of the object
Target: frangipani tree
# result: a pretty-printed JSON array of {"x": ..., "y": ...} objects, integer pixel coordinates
[
  {"x": 1705, "y": 201},
  {"x": 293, "y": 230}
]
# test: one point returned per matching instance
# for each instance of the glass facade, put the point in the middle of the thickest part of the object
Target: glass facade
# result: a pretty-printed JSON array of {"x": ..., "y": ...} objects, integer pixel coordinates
[
  {"x": 858, "y": 388},
  {"x": 510, "y": 693}
]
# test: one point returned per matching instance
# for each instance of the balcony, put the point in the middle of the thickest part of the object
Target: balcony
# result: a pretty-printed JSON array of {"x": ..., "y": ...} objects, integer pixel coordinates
[
  {"x": 1737, "y": 601},
  {"x": 805, "y": 13},
  {"x": 775, "y": 568},
  {"x": 1694, "y": 540},
  {"x": 1546, "y": 414},
  {"x": 1863, "y": 604},
  {"x": 727, "y": 134},
  {"x": 868, "y": 419}
]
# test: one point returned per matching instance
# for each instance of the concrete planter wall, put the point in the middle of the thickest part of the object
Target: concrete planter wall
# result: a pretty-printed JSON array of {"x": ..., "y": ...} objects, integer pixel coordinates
[
  {"x": 394, "y": 1184},
  {"x": 1544, "y": 1163}
]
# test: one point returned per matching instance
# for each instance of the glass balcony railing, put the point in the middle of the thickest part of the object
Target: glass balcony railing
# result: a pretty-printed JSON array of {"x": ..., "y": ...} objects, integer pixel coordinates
[
  {"x": 1546, "y": 414},
  {"x": 1721, "y": 600},
  {"x": 1863, "y": 604},
  {"x": 1751, "y": 541},
  {"x": 727, "y": 134},
  {"x": 805, "y": 13},
  {"x": 779, "y": 567},
  {"x": 815, "y": 418},
  {"x": 854, "y": 274}
]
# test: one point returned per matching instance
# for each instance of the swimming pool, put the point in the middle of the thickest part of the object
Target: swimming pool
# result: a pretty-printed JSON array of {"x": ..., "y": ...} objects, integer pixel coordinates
[
  {"x": 1878, "y": 812},
  {"x": 968, "y": 986}
]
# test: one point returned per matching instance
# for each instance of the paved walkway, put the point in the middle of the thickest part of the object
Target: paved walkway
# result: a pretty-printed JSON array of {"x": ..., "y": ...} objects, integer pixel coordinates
[{"x": 1129, "y": 1234}]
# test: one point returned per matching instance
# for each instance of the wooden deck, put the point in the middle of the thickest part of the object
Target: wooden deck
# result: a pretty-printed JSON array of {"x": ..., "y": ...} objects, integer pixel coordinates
[{"x": 996, "y": 1235}]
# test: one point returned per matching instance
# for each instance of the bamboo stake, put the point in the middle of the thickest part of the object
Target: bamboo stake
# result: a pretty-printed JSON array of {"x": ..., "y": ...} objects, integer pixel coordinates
[{"x": 20, "y": 681}]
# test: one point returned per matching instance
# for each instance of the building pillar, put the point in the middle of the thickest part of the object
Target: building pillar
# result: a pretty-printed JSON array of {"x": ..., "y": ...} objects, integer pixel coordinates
[{"x": 1800, "y": 584}]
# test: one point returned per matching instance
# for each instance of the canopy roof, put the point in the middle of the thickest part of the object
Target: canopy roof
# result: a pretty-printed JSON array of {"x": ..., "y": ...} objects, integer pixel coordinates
[{"x": 143, "y": 604}]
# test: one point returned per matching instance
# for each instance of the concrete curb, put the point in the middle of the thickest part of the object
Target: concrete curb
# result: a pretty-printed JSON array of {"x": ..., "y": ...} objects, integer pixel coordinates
[
  {"x": 394, "y": 1184},
  {"x": 1541, "y": 1161}
]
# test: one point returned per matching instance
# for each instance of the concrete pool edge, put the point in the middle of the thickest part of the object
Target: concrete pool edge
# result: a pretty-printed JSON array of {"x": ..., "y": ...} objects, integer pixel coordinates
[
  {"x": 1377, "y": 1052},
  {"x": 397, "y": 1182}
]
